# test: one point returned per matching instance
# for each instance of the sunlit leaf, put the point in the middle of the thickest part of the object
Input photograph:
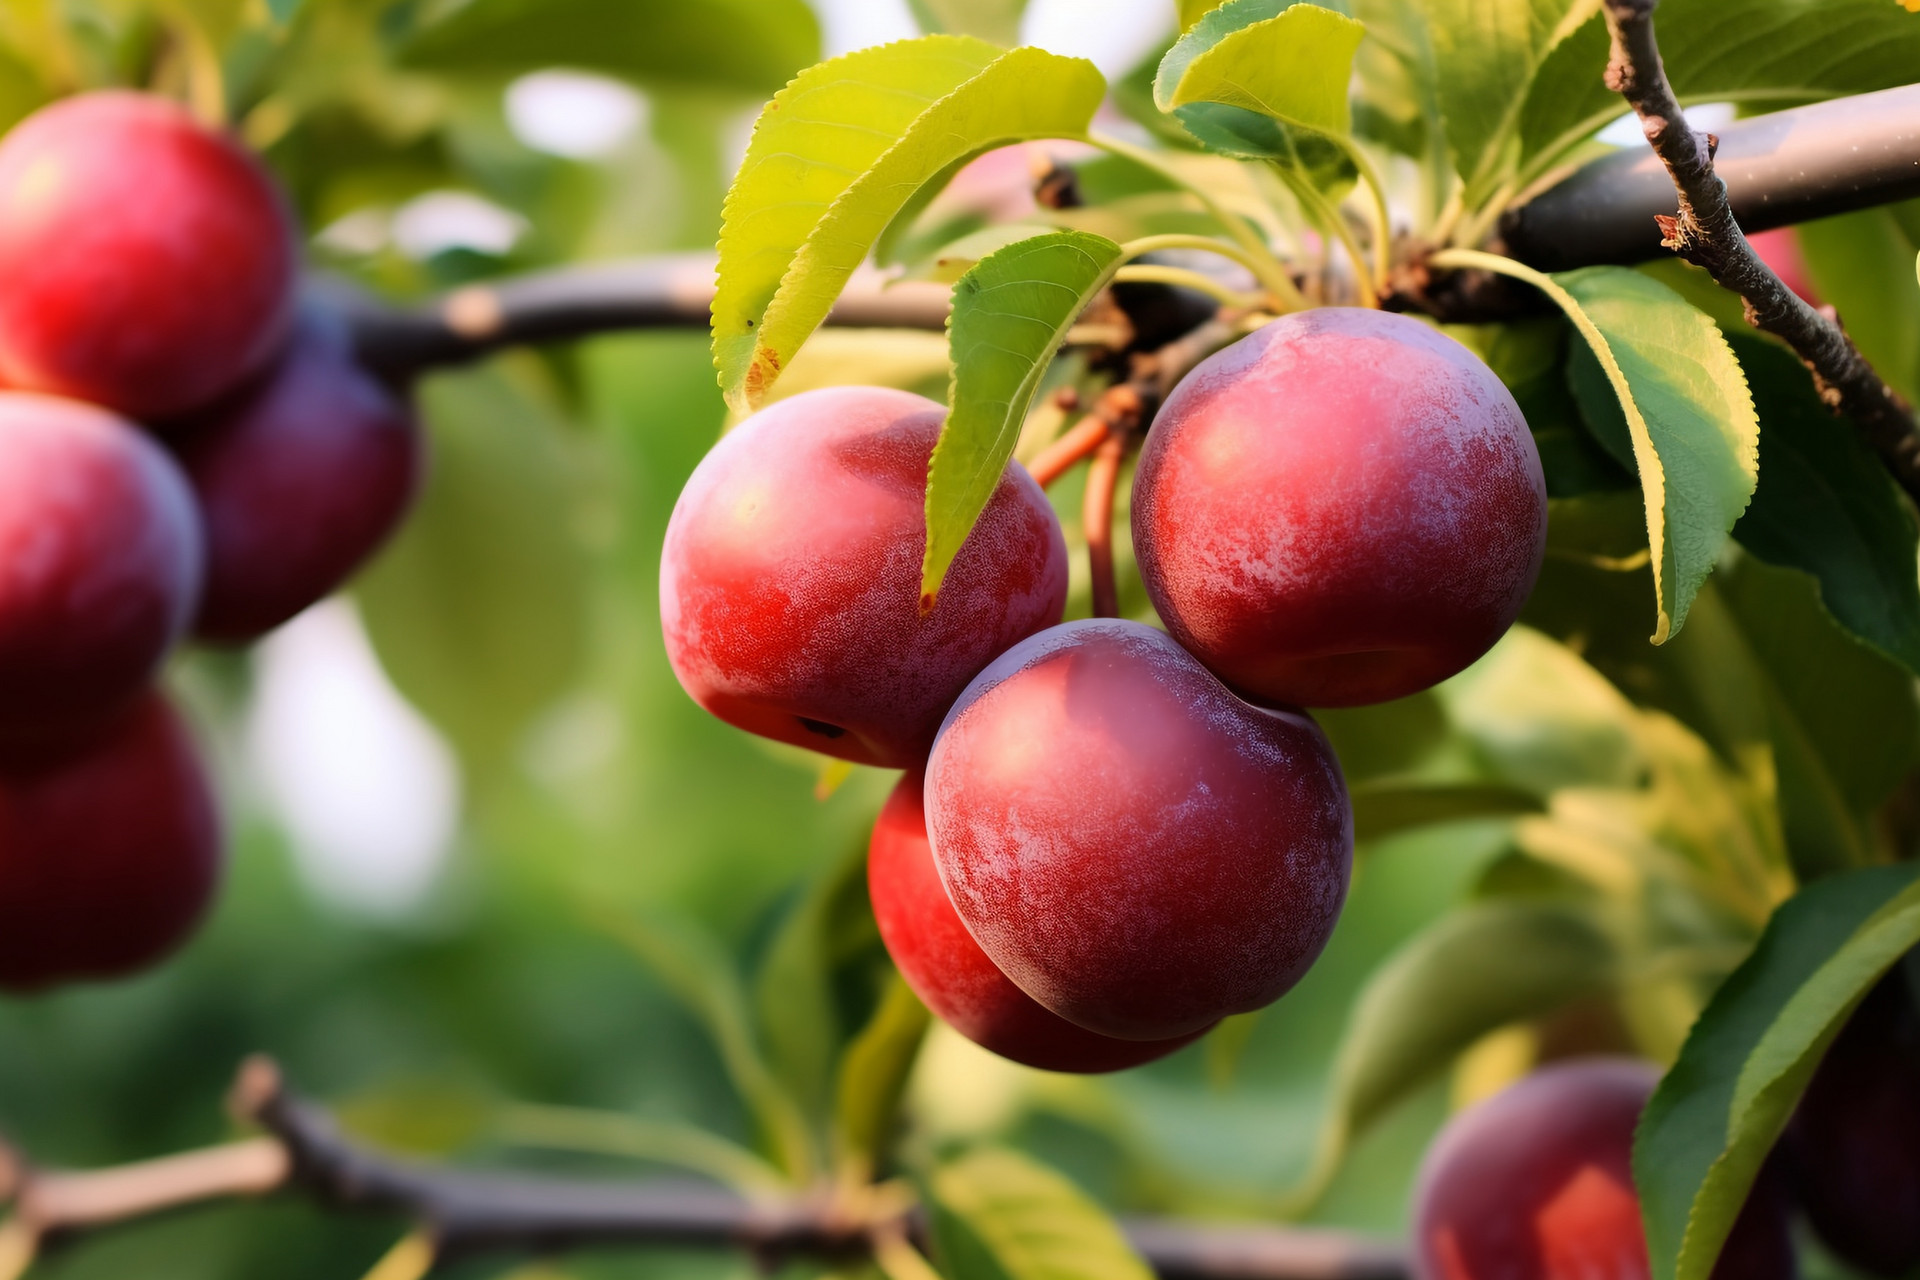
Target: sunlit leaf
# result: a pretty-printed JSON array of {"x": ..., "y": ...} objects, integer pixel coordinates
[
  {"x": 1000, "y": 1216},
  {"x": 1716, "y": 1115},
  {"x": 1673, "y": 403},
  {"x": 1294, "y": 67},
  {"x": 1010, "y": 314},
  {"x": 1486, "y": 54},
  {"x": 1267, "y": 79},
  {"x": 1191, "y": 11},
  {"x": 839, "y": 152}
]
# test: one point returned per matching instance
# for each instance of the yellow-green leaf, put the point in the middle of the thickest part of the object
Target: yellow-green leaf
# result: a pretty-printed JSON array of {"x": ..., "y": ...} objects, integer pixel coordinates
[
  {"x": 1000, "y": 1214},
  {"x": 1486, "y": 56},
  {"x": 1673, "y": 401},
  {"x": 1010, "y": 313},
  {"x": 839, "y": 152},
  {"x": 1294, "y": 67},
  {"x": 873, "y": 1074},
  {"x": 1688, "y": 413}
]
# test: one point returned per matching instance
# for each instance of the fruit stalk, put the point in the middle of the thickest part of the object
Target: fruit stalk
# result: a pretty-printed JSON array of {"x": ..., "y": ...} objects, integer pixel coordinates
[{"x": 1096, "y": 517}]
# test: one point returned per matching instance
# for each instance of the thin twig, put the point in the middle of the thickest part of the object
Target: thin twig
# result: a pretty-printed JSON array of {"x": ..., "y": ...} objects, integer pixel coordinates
[
  {"x": 459, "y": 1214},
  {"x": 1704, "y": 233}
]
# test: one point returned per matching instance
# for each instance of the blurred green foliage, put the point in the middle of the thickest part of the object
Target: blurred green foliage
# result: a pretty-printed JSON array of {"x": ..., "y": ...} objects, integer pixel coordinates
[{"x": 652, "y": 916}]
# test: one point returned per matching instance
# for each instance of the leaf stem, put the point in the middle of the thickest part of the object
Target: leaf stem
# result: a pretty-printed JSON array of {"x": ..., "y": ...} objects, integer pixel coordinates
[
  {"x": 1324, "y": 213},
  {"x": 1259, "y": 258},
  {"x": 1154, "y": 273},
  {"x": 1382, "y": 215}
]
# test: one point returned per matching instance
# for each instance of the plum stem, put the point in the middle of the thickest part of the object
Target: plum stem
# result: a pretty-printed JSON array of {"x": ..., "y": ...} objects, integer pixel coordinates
[
  {"x": 1078, "y": 442},
  {"x": 1260, "y": 259},
  {"x": 1096, "y": 520}
]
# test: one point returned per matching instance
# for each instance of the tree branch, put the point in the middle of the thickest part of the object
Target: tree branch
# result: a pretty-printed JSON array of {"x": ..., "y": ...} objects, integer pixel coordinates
[
  {"x": 1705, "y": 233},
  {"x": 467, "y": 1213},
  {"x": 1780, "y": 168},
  {"x": 672, "y": 291}
]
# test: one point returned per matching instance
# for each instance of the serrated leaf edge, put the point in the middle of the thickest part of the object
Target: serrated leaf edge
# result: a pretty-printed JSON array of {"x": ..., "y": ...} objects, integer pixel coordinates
[{"x": 1293, "y": 14}]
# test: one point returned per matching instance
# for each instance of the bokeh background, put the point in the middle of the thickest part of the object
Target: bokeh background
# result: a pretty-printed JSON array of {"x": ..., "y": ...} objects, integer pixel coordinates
[{"x": 456, "y": 792}]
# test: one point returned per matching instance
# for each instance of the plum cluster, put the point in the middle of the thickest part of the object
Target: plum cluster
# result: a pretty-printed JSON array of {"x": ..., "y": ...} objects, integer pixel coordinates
[
  {"x": 184, "y": 452},
  {"x": 1108, "y": 836}
]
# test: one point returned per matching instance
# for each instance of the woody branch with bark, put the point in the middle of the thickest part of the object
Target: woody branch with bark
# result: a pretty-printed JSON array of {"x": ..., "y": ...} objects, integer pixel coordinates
[
  {"x": 461, "y": 1214},
  {"x": 1705, "y": 233}
]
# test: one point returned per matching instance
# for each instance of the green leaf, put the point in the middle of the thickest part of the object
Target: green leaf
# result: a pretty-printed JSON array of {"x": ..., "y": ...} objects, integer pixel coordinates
[
  {"x": 1674, "y": 405},
  {"x": 1749, "y": 1057},
  {"x": 995, "y": 21},
  {"x": 1387, "y": 738},
  {"x": 827, "y": 933},
  {"x": 616, "y": 1133},
  {"x": 839, "y": 152},
  {"x": 1010, "y": 314},
  {"x": 1827, "y": 506},
  {"x": 1294, "y": 67},
  {"x": 874, "y": 1071},
  {"x": 1383, "y": 808},
  {"x": 1477, "y": 970},
  {"x": 750, "y": 46},
  {"x": 1541, "y": 718},
  {"x": 1000, "y": 1216},
  {"x": 1486, "y": 55},
  {"x": 1762, "y": 54},
  {"x": 1818, "y": 686},
  {"x": 1397, "y": 102},
  {"x": 691, "y": 965},
  {"x": 478, "y": 609},
  {"x": 1239, "y": 39}
]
